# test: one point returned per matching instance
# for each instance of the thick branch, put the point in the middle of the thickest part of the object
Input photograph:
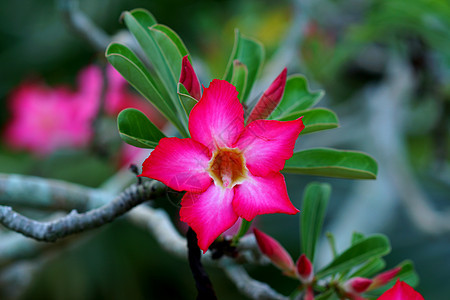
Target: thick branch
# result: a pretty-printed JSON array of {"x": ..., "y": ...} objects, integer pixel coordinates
[{"x": 75, "y": 222}]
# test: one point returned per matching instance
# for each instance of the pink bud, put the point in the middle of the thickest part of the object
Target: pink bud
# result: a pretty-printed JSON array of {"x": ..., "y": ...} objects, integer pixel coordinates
[
  {"x": 270, "y": 99},
  {"x": 357, "y": 285},
  {"x": 309, "y": 294},
  {"x": 383, "y": 278},
  {"x": 305, "y": 269},
  {"x": 401, "y": 291},
  {"x": 189, "y": 79},
  {"x": 274, "y": 251}
]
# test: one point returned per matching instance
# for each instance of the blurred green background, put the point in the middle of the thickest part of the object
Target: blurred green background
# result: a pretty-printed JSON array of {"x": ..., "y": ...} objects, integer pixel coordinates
[{"x": 343, "y": 46}]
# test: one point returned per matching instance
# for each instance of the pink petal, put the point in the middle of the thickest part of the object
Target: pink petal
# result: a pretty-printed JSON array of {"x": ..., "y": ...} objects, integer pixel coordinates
[
  {"x": 189, "y": 79},
  {"x": 401, "y": 291},
  {"x": 262, "y": 195},
  {"x": 274, "y": 251},
  {"x": 270, "y": 99},
  {"x": 209, "y": 213},
  {"x": 268, "y": 144},
  {"x": 180, "y": 164},
  {"x": 217, "y": 119}
]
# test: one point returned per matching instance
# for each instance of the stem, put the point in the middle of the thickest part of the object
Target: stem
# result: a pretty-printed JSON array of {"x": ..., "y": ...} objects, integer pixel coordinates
[{"x": 202, "y": 282}]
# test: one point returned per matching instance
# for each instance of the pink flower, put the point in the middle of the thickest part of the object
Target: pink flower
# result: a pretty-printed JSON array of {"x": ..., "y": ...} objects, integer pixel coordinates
[
  {"x": 401, "y": 291},
  {"x": 274, "y": 251},
  {"x": 45, "y": 119},
  {"x": 228, "y": 170}
]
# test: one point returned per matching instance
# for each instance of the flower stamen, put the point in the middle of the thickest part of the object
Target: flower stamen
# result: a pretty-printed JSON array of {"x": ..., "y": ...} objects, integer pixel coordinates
[{"x": 227, "y": 167}]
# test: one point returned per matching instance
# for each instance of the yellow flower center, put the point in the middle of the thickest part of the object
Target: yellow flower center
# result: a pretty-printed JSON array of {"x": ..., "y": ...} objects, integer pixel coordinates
[{"x": 227, "y": 167}]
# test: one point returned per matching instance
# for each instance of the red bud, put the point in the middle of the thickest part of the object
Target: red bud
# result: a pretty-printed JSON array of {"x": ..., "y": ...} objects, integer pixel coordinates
[
  {"x": 305, "y": 269},
  {"x": 357, "y": 285},
  {"x": 270, "y": 99},
  {"x": 274, "y": 251},
  {"x": 189, "y": 79},
  {"x": 383, "y": 278},
  {"x": 309, "y": 294}
]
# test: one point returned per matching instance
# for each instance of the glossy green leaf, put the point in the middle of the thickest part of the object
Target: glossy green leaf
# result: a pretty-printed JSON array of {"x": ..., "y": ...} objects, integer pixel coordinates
[
  {"x": 137, "y": 130},
  {"x": 296, "y": 97},
  {"x": 314, "y": 119},
  {"x": 239, "y": 78},
  {"x": 186, "y": 100},
  {"x": 369, "y": 248},
  {"x": 137, "y": 21},
  {"x": 174, "y": 37},
  {"x": 249, "y": 52},
  {"x": 134, "y": 71},
  {"x": 315, "y": 201},
  {"x": 169, "y": 50},
  {"x": 328, "y": 295},
  {"x": 370, "y": 268},
  {"x": 332, "y": 163}
]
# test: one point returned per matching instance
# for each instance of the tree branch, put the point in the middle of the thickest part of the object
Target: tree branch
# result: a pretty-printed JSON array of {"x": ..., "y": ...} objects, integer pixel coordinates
[{"x": 75, "y": 222}]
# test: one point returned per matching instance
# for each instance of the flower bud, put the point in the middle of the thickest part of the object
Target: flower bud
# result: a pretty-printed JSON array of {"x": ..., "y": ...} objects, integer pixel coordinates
[
  {"x": 274, "y": 251},
  {"x": 309, "y": 293},
  {"x": 383, "y": 278},
  {"x": 270, "y": 99},
  {"x": 401, "y": 290},
  {"x": 357, "y": 285},
  {"x": 189, "y": 79},
  {"x": 305, "y": 269}
]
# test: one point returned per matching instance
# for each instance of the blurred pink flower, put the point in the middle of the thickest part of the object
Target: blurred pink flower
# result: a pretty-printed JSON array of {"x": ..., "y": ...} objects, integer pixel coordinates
[{"x": 45, "y": 119}]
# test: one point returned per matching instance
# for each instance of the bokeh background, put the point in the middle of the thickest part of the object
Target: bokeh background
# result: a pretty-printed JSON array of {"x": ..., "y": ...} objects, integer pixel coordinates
[{"x": 385, "y": 67}]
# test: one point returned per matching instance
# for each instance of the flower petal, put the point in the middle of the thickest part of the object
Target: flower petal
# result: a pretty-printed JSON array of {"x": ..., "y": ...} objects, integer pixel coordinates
[
  {"x": 217, "y": 119},
  {"x": 262, "y": 195},
  {"x": 180, "y": 164},
  {"x": 268, "y": 144},
  {"x": 401, "y": 291},
  {"x": 209, "y": 213}
]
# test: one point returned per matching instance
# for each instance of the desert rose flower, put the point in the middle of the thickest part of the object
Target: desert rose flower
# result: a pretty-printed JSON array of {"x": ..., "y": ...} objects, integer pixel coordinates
[
  {"x": 228, "y": 170},
  {"x": 401, "y": 291}
]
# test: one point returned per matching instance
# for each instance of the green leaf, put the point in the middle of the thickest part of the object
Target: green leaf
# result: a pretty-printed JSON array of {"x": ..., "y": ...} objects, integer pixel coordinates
[
  {"x": 328, "y": 295},
  {"x": 369, "y": 248},
  {"x": 137, "y": 130},
  {"x": 186, "y": 100},
  {"x": 296, "y": 97},
  {"x": 357, "y": 237},
  {"x": 169, "y": 50},
  {"x": 134, "y": 71},
  {"x": 314, "y": 119},
  {"x": 332, "y": 243},
  {"x": 239, "y": 78},
  {"x": 370, "y": 268},
  {"x": 137, "y": 22},
  {"x": 332, "y": 163},
  {"x": 245, "y": 226},
  {"x": 249, "y": 52},
  {"x": 315, "y": 201},
  {"x": 174, "y": 37}
]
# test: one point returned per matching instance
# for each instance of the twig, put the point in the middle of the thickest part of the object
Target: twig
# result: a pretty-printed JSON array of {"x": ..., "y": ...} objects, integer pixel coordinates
[
  {"x": 75, "y": 222},
  {"x": 248, "y": 286},
  {"x": 83, "y": 26}
]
